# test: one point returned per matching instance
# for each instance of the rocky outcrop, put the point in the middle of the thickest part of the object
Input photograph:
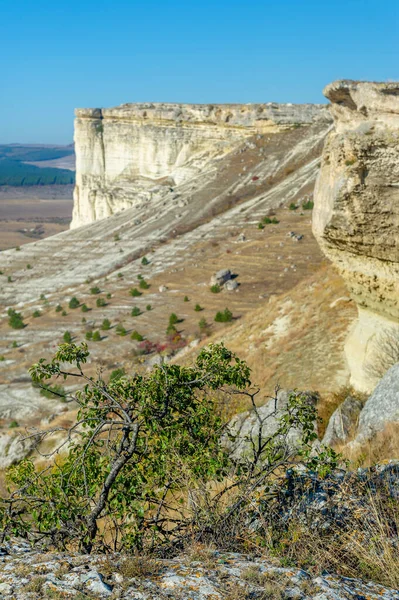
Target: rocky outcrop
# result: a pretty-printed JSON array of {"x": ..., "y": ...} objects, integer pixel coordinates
[
  {"x": 356, "y": 214},
  {"x": 129, "y": 155},
  {"x": 381, "y": 408},
  {"x": 214, "y": 575}
]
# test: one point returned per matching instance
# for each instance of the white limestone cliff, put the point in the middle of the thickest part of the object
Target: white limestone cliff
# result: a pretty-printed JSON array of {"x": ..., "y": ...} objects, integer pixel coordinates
[
  {"x": 356, "y": 215},
  {"x": 128, "y": 155}
]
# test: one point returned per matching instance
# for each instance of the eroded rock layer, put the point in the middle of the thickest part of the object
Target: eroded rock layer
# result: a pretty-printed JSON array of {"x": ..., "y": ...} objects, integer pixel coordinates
[
  {"x": 356, "y": 216},
  {"x": 127, "y": 156}
]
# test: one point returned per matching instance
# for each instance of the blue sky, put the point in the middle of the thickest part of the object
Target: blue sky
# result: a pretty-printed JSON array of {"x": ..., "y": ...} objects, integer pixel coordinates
[{"x": 57, "y": 55}]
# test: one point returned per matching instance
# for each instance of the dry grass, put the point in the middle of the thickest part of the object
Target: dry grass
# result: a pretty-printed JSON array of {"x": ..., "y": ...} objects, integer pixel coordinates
[{"x": 139, "y": 567}]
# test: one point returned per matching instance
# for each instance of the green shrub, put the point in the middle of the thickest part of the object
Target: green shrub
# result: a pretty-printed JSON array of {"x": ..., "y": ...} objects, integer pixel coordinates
[
  {"x": 202, "y": 324},
  {"x": 18, "y": 248},
  {"x": 269, "y": 221},
  {"x": 51, "y": 391},
  {"x": 15, "y": 319},
  {"x": 293, "y": 206},
  {"x": 100, "y": 302},
  {"x": 137, "y": 336},
  {"x": 135, "y": 292},
  {"x": 89, "y": 335},
  {"x": 173, "y": 319},
  {"x": 106, "y": 325},
  {"x": 171, "y": 329},
  {"x": 67, "y": 337},
  {"x": 28, "y": 266},
  {"x": 139, "y": 276},
  {"x": 74, "y": 302},
  {"x": 145, "y": 261},
  {"x": 14, "y": 344},
  {"x": 83, "y": 319},
  {"x": 198, "y": 308},
  {"x": 108, "y": 296},
  {"x": 13, "y": 424},
  {"x": 36, "y": 314},
  {"x": 9, "y": 279},
  {"x": 215, "y": 289},
  {"x": 95, "y": 290},
  {"x": 224, "y": 316},
  {"x": 96, "y": 336},
  {"x": 117, "y": 374},
  {"x": 64, "y": 313},
  {"x": 58, "y": 308},
  {"x": 2, "y": 358},
  {"x": 261, "y": 226},
  {"x": 135, "y": 311},
  {"x": 120, "y": 330},
  {"x": 148, "y": 307},
  {"x": 143, "y": 284},
  {"x": 308, "y": 205},
  {"x": 186, "y": 299},
  {"x": 116, "y": 237},
  {"x": 84, "y": 308},
  {"x": 120, "y": 275}
]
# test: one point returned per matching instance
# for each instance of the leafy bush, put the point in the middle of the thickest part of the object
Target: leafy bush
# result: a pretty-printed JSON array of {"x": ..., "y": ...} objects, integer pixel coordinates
[
  {"x": 13, "y": 424},
  {"x": 100, "y": 302},
  {"x": 293, "y": 206},
  {"x": 135, "y": 292},
  {"x": 96, "y": 336},
  {"x": 143, "y": 284},
  {"x": 215, "y": 289},
  {"x": 198, "y": 308},
  {"x": 202, "y": 324},
  {"x": 64, "y": 313},
  {"x": 58, "y": 308},
  {"x": 9, "y": 279},
  {"x": 67, "y": 337},
  {"x": 269, "y": 221},
  {"x": 84, "y": 308},
  {"x": 224, "y": 316},
  {"x": 171, "y": 330},
  {"x": 186, "y": 299},
  {"x": 145, "y": 261},
  {"x": 148, "y": 307},
  {"x": 116, "y": 237},
  {"x": 36, "y": 314},
  {"x": 114, "y": 492},
  {"x": 108, "y": 295},
  {"x": 74, "y": 302},
  {"x": 117, "y": 374},
  {"x": 15, "y": 319},
  {"x": 106, "y": 325},
  {"x": 135, "y": 311},
  {"x": 261, "y": 226},
  {"x": 308, "y": 205},
  {"x": 120, "y": 330},
  {"x": 137, "y": 336},
  {"x": 28, "y": 266},
  {"x": 173, "y": 319},
  {"x": 89, "y": 335},
  {"x": 95, "y": 290}
]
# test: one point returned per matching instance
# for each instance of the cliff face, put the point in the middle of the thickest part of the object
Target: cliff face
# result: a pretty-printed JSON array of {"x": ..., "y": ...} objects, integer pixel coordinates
[
  {"x": 129, "y": 155},
  {"x": 356, "y": 215}
]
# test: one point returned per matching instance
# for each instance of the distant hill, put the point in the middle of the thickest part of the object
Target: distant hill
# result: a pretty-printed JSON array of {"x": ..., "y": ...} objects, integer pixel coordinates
[{"x": 27, "y": 165}]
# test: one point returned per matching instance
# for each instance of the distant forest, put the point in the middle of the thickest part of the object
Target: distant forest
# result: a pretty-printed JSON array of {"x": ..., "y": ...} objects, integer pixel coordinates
[{"x": 15, "y": 172}]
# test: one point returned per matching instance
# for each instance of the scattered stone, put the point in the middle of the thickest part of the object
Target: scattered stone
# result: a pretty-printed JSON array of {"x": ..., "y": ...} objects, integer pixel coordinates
[
  {"x": 241, "y": 237},
  {"x": 221, "y": 277},
  {"x": 231, "y": 285},
  {"x": 163, "y": 288}
]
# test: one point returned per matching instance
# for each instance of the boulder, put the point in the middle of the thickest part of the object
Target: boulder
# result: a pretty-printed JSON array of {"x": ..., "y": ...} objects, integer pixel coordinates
[
  {"x": 245, "y": 426},
  {"x": 342, "y": 421},
  {"x": 381, "y": 408},
  {"x": 221, "y": 277},
  {"x": 231, "y": 285}
]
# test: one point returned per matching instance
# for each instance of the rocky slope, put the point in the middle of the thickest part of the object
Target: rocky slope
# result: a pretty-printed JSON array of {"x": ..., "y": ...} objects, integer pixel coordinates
[
  {"x": 356, "y": 216},
  {"x": 132, "y": 154},
  {"x": 209, "y": 576}
]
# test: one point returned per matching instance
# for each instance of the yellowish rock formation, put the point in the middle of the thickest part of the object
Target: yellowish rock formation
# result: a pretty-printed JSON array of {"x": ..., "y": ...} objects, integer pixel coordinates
[
  {"x": 125, "y": 156},
  {"x": 356, "y": 215}
]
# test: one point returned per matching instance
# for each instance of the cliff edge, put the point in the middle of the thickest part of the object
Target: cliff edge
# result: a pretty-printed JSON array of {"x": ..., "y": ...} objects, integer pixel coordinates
[{"x": 356, "y": 214}]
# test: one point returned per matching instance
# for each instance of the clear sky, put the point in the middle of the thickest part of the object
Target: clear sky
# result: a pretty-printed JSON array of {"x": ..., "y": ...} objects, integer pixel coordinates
[{"x": 60, "y": 54}]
